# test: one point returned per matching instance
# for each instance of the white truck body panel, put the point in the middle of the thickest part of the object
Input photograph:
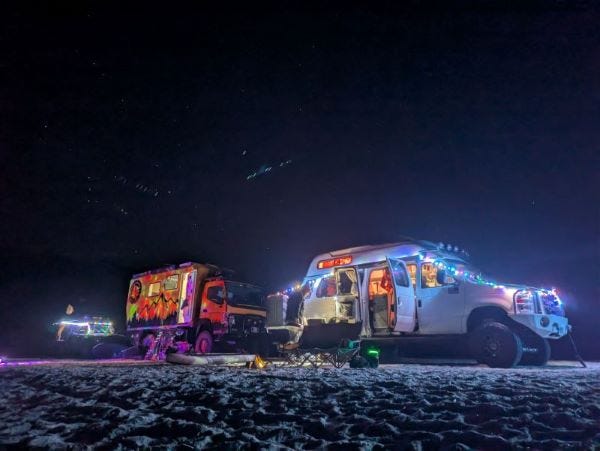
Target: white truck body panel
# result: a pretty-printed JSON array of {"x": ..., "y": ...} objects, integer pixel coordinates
[{"x": 441, "y": 310}]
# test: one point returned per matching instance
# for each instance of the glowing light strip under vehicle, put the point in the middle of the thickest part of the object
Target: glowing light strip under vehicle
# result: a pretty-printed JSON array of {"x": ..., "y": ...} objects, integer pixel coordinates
[{"x": 333, "y": 262}]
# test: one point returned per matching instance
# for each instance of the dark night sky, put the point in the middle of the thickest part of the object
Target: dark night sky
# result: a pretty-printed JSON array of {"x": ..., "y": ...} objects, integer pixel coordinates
[{"x": 127, "y": 139}]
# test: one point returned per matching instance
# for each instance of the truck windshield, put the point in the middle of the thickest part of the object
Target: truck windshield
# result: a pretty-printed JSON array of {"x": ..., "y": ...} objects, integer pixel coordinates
[{"x": 242, "y": 294}]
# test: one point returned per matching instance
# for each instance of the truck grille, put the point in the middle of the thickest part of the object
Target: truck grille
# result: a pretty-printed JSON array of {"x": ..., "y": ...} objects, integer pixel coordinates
[{"x": 242, "y": 324}]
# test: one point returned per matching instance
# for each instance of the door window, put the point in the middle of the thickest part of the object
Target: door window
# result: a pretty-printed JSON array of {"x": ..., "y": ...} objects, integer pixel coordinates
[
  {"x": 215, "y": 294},
  {"x": 400, "y": 275},
  {"x": 429, "y": 276}
]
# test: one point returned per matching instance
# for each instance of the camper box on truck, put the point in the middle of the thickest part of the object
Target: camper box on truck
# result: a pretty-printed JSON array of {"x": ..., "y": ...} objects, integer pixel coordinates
[
  {"x": 193, "y": 306},
  {"x": 418, "y": 288}
]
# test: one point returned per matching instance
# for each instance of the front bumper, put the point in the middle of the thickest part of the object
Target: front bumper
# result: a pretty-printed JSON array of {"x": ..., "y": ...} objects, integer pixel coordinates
[{"x": 546, "y": 326}]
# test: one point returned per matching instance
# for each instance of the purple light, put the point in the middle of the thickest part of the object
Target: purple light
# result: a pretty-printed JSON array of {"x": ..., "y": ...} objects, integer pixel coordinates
[{"x": 4, "y": 362}]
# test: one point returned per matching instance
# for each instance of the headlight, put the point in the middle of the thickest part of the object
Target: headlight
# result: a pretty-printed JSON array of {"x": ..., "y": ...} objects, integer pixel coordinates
[{"x": 551, "y": 303}]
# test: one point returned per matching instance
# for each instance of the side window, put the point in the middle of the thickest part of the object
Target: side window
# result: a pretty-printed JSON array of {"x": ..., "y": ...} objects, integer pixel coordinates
[
  {"x": 307, "y": 288},
  {"x": 215, "y": 294},
  {"x": 153, "y": 289},
  {"x": 412, "y": 272},
  {"x": 400, "y": 276},
  {"x": 326, "y": 287},
  {"x": 171, "y": 282},
  {"x": 347, "y": 282},
  {"x": 429, "y": 275}
]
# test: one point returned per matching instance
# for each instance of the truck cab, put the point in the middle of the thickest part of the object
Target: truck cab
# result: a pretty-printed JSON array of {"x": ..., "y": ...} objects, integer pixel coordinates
[
  {"x": 229, "y": 310},
  {"x": 192, "y": 306},
  {"x": 418, "y": 288}
]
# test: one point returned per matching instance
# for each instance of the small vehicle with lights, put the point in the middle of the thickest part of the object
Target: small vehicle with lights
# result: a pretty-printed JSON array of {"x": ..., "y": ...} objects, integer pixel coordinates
[
  {"x": 418, "y": 289},
  {"x": 193, "y": 307},
  {"x": 94, "y": 326},
  {"x": 88, "y": 336}
]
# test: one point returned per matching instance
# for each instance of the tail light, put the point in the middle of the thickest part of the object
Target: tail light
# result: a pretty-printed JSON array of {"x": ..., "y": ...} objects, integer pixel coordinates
[{"x": 524, "y": 302}]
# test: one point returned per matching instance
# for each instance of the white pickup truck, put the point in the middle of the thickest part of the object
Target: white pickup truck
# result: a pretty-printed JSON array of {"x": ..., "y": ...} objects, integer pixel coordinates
[{"x": 419, "y": 288}]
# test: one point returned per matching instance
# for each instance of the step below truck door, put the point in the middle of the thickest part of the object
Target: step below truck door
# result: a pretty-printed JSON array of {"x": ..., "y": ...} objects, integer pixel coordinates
[{"x": 404, "y": 296}]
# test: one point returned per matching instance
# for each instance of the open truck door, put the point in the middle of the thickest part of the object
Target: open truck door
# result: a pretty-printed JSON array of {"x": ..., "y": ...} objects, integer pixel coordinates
[{"x": 404, "y": 297}]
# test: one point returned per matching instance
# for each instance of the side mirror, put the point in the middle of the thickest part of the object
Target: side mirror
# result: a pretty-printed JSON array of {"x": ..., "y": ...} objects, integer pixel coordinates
[{"x": 440, "y": 277}]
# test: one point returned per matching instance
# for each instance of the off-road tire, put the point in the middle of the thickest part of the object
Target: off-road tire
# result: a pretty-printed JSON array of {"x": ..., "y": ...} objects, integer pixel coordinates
[
  {"x": 536, "y": 349},
  {"x": 495, "y": 345},
  {"x": 204, "y": 343}
]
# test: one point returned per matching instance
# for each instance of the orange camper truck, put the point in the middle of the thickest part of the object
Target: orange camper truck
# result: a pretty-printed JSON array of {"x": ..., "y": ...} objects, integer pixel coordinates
[{"x": 193, "y": 306}]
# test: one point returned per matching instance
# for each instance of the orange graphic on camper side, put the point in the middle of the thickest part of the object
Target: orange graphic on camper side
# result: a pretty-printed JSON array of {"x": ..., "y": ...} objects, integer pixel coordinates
[{"x": 154, "y": 299}]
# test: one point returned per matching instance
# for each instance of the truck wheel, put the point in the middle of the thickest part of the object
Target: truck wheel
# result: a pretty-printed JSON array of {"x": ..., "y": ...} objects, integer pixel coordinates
[
  {"x": 536, "y": 350},
  {"x": 495, "y": 345},
  {"x": 204, "y": 343}
]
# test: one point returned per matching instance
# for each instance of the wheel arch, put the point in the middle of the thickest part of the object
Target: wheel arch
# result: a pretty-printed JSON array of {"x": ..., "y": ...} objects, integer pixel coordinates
[
  {"x": 479, "y": 314},
  {"x": 203, "y": 325}
]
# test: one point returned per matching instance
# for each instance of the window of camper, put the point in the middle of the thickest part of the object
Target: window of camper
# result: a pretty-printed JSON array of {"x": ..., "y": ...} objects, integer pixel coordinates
[
  {"x": 326, "y": 287},
  {"x": 429, "y": 276},
  {"x": 153, "y": 289},
  {"x": 307, "y": 288},
  {"x": 171, "y": 282},
  {"x": 347, "y": 283}
]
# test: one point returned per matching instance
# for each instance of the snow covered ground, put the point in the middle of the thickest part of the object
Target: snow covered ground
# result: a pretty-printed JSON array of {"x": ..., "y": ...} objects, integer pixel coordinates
[{"x": 395, "y": 406}]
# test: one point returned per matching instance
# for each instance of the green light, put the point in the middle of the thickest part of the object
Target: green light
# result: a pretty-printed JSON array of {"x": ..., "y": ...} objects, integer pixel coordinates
[{"x": 374, "y": 352}]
